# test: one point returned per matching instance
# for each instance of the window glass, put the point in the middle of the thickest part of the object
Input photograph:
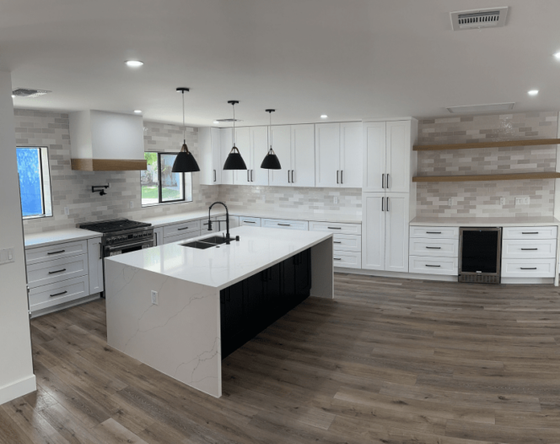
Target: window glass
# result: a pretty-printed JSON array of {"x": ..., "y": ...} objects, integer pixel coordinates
[
  {"x": 34, "y": 181},
  {"x": 160, "y": 185}
]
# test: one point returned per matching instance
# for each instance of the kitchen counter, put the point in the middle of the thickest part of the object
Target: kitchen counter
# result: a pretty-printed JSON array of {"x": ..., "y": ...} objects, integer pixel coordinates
[
  {"x": 57, "y": 236},
  {"x": 177, "y": 329},
  {"x": 485, "y": 221}
]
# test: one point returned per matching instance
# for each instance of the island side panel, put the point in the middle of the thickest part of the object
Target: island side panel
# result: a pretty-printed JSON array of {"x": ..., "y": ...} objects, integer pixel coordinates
[
  {"x": 322, "y": 269},
  {"x": 180, "y": 336}
]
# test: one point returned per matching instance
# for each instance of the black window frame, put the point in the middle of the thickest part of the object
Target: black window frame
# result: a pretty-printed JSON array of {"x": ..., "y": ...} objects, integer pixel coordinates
[{"x": 160, "y": 187}]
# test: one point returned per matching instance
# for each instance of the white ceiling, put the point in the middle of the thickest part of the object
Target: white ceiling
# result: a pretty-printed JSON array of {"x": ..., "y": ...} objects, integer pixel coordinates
[{"x": 350, "y": 59}]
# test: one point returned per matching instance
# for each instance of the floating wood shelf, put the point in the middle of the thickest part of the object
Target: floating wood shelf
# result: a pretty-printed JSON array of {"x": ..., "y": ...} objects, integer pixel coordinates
[
  {"x": 478, "y": 178},
  {"x": 501, "y": 144}
]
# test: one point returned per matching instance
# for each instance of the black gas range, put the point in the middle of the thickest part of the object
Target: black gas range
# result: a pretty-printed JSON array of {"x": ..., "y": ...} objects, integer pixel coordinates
[{"x": 122, "y": 235}]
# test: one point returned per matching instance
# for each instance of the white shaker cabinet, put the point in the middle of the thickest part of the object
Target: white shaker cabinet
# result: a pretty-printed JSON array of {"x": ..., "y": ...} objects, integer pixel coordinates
[
  {"x": 95, "y": 265},
  {"x": 210, "y": 156},
  {"x": 385, "y": 239},
  {"x": 338, "y": 155},
  {"x": 226, "y": 143},
  {"x": 295, "y": 147},
  {"x": 387, "y": 155},
  {"x": 252, "y": 144}
]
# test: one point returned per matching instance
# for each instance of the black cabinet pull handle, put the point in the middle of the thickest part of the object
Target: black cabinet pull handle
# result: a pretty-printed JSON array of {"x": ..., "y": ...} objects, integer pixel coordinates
[
  {"x": 433, "y": 248},
  {"x": 383, "y": 181},
  {"x": 289, "y": 176},
  {"x": 249, "y": 222},
  {"x": 337, "y": 242},
  {"x": 342, "y": 176},
  {"x": 337, "y": 258},
  {"x": 57, "y": 271},
  {"x": 334, "y": 228},
  {"x": 58, "y": 294},
  {"x": 284, "y": 225},
  {"x": 215, "y": 176},
  {"x": 293, "y": 176},
  {"x": 528, "y": 268},
  {"x": 56, "y": 252},
  {"x": 387, "y": 198},
  {"x": 337, "y": 180},
  {"x": 433, "y": 232},
  {"x": 181, "y": 229},
  {"x": 433, "y": 266},
  {"x": 387, "y": 182},
  {"x": 529, "y": 232},
  {"x": 382, "y": 202},
  {"x": 529, "y": 249}
]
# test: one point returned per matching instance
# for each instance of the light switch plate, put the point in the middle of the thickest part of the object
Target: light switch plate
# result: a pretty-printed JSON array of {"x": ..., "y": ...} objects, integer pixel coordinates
[
  {"x": 6, "y": 256},
  {"x": 155, "y": 297}
]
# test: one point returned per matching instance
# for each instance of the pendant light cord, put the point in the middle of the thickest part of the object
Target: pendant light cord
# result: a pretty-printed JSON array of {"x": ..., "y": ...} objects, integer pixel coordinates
[
  {"x": 233, "y": 133},
  {"x": 184, "y": 129}
]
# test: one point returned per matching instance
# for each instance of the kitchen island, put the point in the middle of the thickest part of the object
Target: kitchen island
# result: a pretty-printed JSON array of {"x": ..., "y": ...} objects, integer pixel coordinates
[{"x": 163, "y": 303}]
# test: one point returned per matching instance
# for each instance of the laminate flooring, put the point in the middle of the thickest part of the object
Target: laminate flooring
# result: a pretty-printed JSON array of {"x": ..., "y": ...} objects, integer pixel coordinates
[{"x": 388, "y": 361}]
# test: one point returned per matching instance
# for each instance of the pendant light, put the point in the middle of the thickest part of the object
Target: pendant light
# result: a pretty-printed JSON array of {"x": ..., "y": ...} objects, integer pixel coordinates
[
  {"x": 185, "y": 161},
  {"x": 270, "y": 161},
  {"x": 234, "y": 160}
]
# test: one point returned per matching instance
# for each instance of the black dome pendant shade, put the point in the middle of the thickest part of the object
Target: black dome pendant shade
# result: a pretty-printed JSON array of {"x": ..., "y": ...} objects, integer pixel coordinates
[
  {"x": 234, "y": 160},
  {"x": 270, "y": 161},
  {"x": 185, "y": 161}
]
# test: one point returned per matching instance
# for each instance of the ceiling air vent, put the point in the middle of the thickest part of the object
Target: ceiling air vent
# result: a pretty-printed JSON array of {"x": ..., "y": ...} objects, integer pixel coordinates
[
  {"x": 479, "y": 18},
  {"x": 486, "y": 108},
  {"x": 29, "y": 92},
  {"x": 228, "y": 120}
]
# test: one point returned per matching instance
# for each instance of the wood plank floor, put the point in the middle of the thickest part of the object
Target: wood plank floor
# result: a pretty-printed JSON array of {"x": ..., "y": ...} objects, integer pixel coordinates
[{"x": 388, "y": 361}]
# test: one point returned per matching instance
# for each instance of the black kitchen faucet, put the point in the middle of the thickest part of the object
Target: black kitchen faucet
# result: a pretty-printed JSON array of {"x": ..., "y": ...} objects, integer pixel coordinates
[{"x": 227, "y": 220}]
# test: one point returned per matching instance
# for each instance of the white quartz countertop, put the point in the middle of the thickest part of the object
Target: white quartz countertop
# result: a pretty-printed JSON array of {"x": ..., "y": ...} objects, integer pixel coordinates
[
  {"x": 220, "y": 267},
  {"x": 485, "y": 221},
  {"x": 218, "y": 210},
  {"x": 57, "y": 236}
]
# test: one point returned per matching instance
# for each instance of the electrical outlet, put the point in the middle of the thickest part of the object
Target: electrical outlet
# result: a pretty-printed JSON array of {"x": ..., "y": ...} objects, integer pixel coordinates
[
  {"x": 450, "y": 201},
  {"x": 66, "y": 211},
  {"x": 335, "y": 199},
  {"x": 155, "y": 297},
  {"x": 522, "y": 201},
  {"x": 502, "y": 200},
  {"x": 131, "y": 204},
  {"x": 6, "y": 256}
]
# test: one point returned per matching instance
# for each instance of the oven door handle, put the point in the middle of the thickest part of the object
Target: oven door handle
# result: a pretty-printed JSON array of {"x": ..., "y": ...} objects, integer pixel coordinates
[{"x": 109, "y": 248}]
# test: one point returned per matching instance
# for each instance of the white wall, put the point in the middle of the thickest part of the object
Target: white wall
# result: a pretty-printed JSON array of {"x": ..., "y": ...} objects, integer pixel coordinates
[{"x": 16, "y": 368}]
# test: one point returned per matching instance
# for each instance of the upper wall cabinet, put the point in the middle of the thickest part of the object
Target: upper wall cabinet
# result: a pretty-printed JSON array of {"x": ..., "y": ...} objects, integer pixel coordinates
[
  {"x": 102, "y": 141},
  {"x": 209, "y": 157},
  {"x": 338, "y": 155},
  {"x": 295, "y": 147},
  {"x": 252, "y": 144},
  {"x": 387, "y": 155}
]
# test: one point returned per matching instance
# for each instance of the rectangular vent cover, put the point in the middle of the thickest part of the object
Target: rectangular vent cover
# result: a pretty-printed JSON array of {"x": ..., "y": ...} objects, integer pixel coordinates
[
  {"x": 485, "y": 108},
  {"x": 479, "y": 18},
  {"x": 29, "y": 92},
  {"x": 228, "y": 120}
]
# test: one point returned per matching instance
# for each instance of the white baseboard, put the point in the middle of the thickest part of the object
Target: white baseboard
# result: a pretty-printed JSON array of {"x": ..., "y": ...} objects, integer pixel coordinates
[{"x": 17, "y": 389}]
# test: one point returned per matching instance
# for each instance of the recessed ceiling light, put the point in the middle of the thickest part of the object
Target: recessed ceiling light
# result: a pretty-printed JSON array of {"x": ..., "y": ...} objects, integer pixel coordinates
[
  {"x": 533, "y": 92},
  {"x": 216, "y": 122},
  {"x": 137, "y": 111},
  {"x": 13, "y": 96},
  {"x": 134, "y": 63},
  {"x": 557, "y": 55},
  {"x": 324, "y": 116}
]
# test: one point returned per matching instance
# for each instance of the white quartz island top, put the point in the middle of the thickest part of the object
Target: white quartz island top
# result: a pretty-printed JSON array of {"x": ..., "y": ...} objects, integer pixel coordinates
[
  {"x": 485, "y": 221},
  {"x": 224, "y": 265},
  {"x": 163, "y": 303}
]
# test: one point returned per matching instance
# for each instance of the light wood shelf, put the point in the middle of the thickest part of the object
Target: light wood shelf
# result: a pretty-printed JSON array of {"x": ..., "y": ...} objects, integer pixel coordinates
[
  {"x": 501, "y": 144},
  {"x": 483, "y": 177}
]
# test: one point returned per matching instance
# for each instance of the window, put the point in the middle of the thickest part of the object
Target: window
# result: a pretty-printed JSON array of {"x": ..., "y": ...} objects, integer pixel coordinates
[
  {"x": 160, "y": 185},
  {"x": 34, "y": 181}
]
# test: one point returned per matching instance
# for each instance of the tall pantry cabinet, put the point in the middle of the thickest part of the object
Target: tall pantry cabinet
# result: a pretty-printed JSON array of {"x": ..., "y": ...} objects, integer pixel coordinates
[{"x": 389, "y": 196}]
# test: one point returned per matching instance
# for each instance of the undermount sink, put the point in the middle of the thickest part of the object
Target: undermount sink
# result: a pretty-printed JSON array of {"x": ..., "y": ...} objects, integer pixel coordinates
[{"x": 207, "y": 242}]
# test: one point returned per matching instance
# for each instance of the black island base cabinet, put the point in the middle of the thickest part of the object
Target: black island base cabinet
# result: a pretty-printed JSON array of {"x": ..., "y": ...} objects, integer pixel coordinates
[{"x": 248, "y": 307}]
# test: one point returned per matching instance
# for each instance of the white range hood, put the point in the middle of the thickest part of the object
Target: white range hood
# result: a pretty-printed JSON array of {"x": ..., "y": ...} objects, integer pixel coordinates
[{"x": 102, "y": 141}]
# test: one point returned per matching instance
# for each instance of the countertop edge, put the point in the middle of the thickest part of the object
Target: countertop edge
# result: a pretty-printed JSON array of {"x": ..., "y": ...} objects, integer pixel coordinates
[
  {"x": 485, "y": 222},
  {"x": 47, "y": 238}
]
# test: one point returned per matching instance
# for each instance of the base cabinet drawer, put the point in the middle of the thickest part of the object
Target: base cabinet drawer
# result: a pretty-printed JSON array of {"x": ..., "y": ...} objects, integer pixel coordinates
[
  {"x": 435, "y": 232},
  {"x": 286, "y": 224},
  {"x": 186, "y": 227},
  {"x": 58, "y": 251},
  {"x": 49, "y": 272},
  {"x": 529, "y": 233},
  {"x": 335, "y": 227},
  {"x": 542, "y": 268},
  {"x": 347, "y": 242},
  {"x": 432, "y": 265},
  {"x": 434, "y": 247},
  {"x": 58, "y": 293},
  {"x": 538, "y": 248},
  {"x": 249, "y": 221},
  {"x": 182, "y": 236},
  {"x": 347, "y": 259}
]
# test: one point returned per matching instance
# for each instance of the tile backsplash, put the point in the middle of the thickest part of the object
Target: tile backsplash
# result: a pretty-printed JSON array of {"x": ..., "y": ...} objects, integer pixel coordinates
[
  {"x": 482, "y": 199},
  {"x": 72, "y": 189}
]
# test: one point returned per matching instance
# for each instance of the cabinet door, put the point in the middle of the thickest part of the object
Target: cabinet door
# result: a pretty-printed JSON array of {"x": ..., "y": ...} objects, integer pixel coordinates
[
  {"x": 373, "y": 232},
  {"x": 158, "y": 236},
  {"x": 303, "y": 156},
  {"x": 282, "y": 146},
  {"x": 327, "y": 155},
  {"x": 396, "y": 232},
  {"x": 374, "y": 156},
  {"x": 258, "y": 176},
  {"x": 351, "y": 155},
  {"x": 398, "y": 154},
  {"x": 209, "y": 156},
  {"x": 95, "y": 265},
  {"x": 226, "y": 144},
  {"x": 243, "y": 144}
]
